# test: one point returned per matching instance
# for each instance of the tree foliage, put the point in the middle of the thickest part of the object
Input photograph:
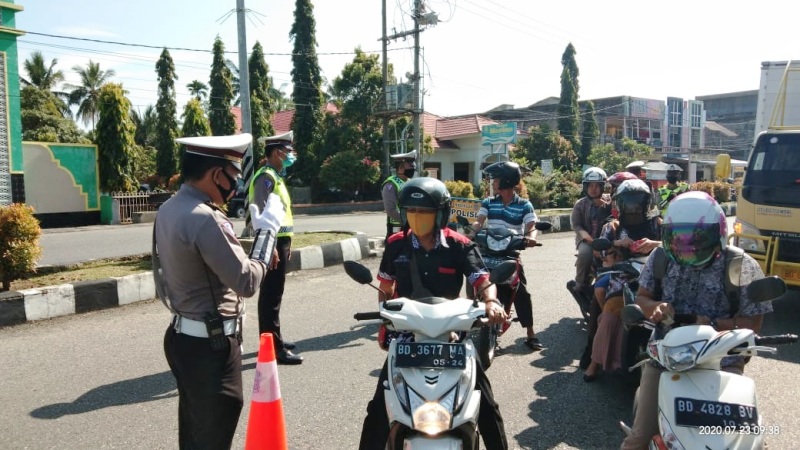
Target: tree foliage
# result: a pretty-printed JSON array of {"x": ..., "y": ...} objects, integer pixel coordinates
[
  {"x": 261, "y": 108},
  {"x": 220, "y": 116},
  {"x": 167, "y": 122},
  {"x": 349, "y": 171},
  {"x": 589, "y": 134},
  {"x": 145, "y": 124},
  {"x": 307, "y": 94},
  {"x": 87, "y": 94},
  {"x": 42, "y": 120},
  {"x": 198, "y": 89},
  {"x": 568, "y": 110},
  {"x": 19, "y": 243},
  {"x": 115, "y": 139},
  {"x": 545, "y": 143},
  {"x": 47, "y": 77},
  {"x": 194, "y": 118},
  {"x": 607, "y": 158}
]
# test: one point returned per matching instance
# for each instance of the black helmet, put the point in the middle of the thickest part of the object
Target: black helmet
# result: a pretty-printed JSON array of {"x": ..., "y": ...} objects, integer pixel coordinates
[
  {"x": 507, "y": 172},
  {"x": 425, "y": 192}
]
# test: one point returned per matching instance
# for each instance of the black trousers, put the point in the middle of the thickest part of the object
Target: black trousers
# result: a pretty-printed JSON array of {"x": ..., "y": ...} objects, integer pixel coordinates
[
  {"x": 375, "y": 430},
  {"x": 270, "y": 295},
  {"x": 522, "y": 301},
  {"x": 209, "y": 389}
]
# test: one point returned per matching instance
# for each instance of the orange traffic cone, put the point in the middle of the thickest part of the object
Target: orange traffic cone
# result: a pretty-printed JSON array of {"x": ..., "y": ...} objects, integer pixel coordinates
[{"x": 266, "y": 429}]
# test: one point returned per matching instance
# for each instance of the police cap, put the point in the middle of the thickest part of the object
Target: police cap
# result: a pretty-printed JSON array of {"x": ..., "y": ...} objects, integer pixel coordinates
[{"x": 231, "y": 148}]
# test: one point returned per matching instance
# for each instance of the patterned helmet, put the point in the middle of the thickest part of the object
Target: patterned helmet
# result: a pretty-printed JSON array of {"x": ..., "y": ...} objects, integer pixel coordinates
[
  {"x": 616, "y": 179},
  {"x": 694, "y": 228},
  {"x": 633, "y": 197},
  {"x": 593, "y": 175}
]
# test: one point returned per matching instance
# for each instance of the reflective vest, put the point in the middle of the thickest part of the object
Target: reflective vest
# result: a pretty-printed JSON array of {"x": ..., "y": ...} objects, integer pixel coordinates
[
  {"x": 287, "y": 227},
  {"x": 398, "y": 184},
  {"x": 664, "y": 193}
]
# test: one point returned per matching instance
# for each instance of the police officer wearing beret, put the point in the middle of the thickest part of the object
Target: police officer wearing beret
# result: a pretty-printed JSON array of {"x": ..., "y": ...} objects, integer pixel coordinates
[
  {"x": 202, "y": 275},
  {"x": 405, "y": 166}
]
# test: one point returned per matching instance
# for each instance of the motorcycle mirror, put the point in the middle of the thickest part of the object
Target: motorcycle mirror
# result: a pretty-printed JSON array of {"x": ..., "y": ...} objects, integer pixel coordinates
[
  {"x": 632, "y": 315},
  {"x": 601, "y": 244},
  {"x": 543, "y": 226},
  {"x": 766, "y": 289},
  {"x": 463, "y": 221},
  {"x": 503, "y": 271},
  {"x": 358, "y": 272}
]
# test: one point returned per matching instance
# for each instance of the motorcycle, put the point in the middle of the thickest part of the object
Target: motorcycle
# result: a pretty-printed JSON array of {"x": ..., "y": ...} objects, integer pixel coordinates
[
  {"x": 699, "y": 405},
  {"x": 431, "y": 398},
  {"x": 499, "y": 245}
]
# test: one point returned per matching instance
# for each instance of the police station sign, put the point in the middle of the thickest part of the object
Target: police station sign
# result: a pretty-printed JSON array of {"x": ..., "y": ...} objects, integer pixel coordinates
[
  {"x": 465, "y": 207},
  {"x": 499, "y": 134}
]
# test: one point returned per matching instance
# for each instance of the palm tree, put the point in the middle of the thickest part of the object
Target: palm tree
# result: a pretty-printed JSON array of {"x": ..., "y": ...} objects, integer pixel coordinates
[
  {"x": 86, "y": 95},
  {"x": 46, "y": 78},
  {"x": 198, "y": 89}
]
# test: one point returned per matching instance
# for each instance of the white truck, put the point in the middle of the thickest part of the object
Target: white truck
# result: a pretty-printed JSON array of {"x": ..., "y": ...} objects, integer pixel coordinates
[{"x": 768, "y": 208}]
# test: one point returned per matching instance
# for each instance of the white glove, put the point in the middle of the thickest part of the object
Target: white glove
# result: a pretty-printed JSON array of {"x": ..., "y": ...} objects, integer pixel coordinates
[{"x": 271, "y": 216}]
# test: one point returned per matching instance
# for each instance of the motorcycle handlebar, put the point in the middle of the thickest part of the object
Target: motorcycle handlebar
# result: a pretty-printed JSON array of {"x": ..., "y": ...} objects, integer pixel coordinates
[
  {"x": 776, "y": 339},
  {"x": 367, "y": 315}
]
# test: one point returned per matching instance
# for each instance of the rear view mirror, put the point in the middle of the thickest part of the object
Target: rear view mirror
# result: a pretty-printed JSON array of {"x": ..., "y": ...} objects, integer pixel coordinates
[
  {"x": 766, "y": 289},
  {"x": 358, "y": 272},
  {"x": 601, "y": 244},
  {"x": 543, "y": 226},
  {"x": 632, "y": 315},
  {"x": 503, "y": 271}
]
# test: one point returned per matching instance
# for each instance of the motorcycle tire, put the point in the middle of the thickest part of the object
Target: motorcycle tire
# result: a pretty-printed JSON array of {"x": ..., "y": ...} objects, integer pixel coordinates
[
  {"x": 487, "y": 343},
  {"x": 580, "y": 299}
]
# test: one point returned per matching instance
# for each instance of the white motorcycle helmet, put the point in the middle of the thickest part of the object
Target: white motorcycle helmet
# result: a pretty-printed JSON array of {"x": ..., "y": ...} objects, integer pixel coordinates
[
  {"x": 694, "y": 229},
  {"x": 593, "y": 175}
]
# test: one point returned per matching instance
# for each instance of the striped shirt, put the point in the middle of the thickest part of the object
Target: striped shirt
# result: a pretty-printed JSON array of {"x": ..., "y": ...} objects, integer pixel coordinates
[{"x": 516, "y": 215}]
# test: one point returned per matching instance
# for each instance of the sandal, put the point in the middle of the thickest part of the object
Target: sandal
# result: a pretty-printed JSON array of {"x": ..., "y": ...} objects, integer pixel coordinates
[{"x": 534, "y": 344}]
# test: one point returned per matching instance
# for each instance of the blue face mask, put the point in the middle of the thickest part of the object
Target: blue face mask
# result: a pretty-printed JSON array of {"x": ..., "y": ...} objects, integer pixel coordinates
[{"x": 290, "y": 159}]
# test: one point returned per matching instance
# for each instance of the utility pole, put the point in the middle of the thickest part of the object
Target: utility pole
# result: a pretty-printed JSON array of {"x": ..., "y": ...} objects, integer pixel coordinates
[
  {"x": 417, "y": 110},
  {"x": 244, "y": 98},
  {"x": 385, "y": 69}
]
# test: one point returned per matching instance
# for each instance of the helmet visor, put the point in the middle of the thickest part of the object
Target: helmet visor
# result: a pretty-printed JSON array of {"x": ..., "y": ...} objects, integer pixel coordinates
[
  {"x": 633, "y": 202},
  {"x": 690, "y": 244}
]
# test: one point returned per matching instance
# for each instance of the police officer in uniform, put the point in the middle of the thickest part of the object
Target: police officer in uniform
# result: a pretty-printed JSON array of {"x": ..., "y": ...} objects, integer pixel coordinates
[
  {"x": 203, "y": 275},
  {"x": 405, "y": 166},
  {"x": 279, "y": 155},
  {"x": 672, "y": 189}
]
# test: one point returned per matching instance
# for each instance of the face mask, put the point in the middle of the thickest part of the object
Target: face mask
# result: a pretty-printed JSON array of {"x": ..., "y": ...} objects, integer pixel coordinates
[
  {"x": 290, "y": 159},
  {"x": 421, "y": 224},
  {"x": 232, "y": 182},
  {"x": 672, "y": 180},
  {"x": 409, "y": 173}
]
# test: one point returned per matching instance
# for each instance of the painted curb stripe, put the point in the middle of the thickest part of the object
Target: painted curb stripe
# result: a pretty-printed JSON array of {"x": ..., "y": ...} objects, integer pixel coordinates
[{"x": 95, "y": 295}]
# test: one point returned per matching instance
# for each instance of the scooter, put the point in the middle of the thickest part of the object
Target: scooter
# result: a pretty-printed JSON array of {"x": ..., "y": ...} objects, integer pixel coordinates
[
  {"x": 499, "y": 245},
  {"x": 699, "y": 405},
  {"x": 431, "y": 398}
]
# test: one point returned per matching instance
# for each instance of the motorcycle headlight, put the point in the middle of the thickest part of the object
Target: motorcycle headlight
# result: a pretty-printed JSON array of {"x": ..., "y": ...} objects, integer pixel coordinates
[
  {"x": 753, "y": 245},
  {"x": 498, "y": 245},
  {"x": 399, "y": 385},
  {"x": 432, "y": 418},
  {"x": 668, "y": 437},
  {"x": 682, "y": 357}
]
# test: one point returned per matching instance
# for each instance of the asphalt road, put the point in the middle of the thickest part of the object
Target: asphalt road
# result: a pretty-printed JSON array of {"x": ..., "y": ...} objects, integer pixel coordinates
[
  {"x": 99, "y": 380},
  {"x": 62, "y": 246}
]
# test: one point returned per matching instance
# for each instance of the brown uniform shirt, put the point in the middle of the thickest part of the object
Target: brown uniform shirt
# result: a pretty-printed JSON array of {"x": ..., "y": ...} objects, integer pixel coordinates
[{"x": 202, "y": 261}]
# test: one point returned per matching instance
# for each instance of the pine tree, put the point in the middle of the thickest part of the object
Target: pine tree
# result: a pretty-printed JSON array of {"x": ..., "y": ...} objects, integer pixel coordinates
[
  {"x": 307, "y": 94},
  {"x": 591, "y": 131},
  {"x": 220, "y": 117},
  {"x": 568, "y": 110},
  {"x": 261, "y": 108},
  {"x": 115, "y": 143},
  {"x": 167, "y": 120}
]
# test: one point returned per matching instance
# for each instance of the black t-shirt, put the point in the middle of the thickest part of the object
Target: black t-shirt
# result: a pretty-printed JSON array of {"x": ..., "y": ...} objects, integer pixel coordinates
[{"x": 441, "y": 270}]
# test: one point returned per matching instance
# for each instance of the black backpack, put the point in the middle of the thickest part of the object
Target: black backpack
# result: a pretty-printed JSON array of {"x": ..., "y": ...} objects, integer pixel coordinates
[{"x": 730, "y": 277}]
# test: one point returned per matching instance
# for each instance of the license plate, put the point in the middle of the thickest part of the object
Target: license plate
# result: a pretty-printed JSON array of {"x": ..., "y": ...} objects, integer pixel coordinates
[
  {"x": 431, "y": 355},
  {"x": 701, "y": 413},
  {"x": 492, "y": 262}
]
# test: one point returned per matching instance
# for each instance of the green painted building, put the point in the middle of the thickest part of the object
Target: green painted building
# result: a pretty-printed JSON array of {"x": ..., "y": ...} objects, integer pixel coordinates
[{"x": 11, "y": 165}]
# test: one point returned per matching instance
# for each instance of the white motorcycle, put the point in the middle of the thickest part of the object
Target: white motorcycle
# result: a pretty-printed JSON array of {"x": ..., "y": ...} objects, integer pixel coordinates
[
  {"x": 431, "y": 399},
  {"x": 699, "y": 405}
]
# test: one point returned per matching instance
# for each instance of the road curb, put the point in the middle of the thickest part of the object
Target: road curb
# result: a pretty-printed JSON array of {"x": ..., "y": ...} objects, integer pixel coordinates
[{"x": 48, "y": 302}]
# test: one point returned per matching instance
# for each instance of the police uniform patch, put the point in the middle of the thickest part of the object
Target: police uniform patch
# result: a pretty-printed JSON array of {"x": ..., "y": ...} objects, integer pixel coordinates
[{"x": 227, "y": 228}]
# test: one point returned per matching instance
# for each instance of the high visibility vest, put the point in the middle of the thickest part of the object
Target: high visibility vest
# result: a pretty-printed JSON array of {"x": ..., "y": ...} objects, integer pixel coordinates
[
  {"x": 664, "y": 192},
  {"x": 287, "y": 226},
  {"x": 398, "y": 184}
]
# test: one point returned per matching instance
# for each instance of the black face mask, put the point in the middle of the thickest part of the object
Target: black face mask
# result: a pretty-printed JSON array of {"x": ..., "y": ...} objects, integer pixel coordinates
[
  {"x": 227, "y": 194},
  {"x": 409, "y": 172},
  {"x": 672, "y": 180}
]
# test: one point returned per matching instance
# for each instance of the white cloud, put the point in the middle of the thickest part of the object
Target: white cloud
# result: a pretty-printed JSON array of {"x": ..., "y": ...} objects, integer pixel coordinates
[{"x": 85, "y": 31}]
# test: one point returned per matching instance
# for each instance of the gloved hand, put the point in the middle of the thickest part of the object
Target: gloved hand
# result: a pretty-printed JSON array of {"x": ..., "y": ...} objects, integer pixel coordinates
[{"x": 271, "y": 217}]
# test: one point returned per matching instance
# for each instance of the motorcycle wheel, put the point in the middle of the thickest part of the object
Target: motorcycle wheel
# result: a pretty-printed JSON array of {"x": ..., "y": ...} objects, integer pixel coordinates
[
  {"x": 580, "y": 299},
  {"x": 487, "y": 342}
]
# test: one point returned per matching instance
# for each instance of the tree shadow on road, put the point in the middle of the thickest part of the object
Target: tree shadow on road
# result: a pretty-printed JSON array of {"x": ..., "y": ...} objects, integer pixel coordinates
[{"x": 143, "y": 389}]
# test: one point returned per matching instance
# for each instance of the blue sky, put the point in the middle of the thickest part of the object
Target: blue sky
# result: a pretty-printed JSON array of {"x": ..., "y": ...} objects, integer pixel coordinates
[{"x": 484, "y": 52}]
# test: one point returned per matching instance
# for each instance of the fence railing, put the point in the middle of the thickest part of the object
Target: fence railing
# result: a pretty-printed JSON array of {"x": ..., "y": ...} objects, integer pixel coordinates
[{"x": 127, "y": 203}]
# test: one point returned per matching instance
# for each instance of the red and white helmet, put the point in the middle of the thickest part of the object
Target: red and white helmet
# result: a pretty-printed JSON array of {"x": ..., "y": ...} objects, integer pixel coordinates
[{"x": 694, "y": 229}]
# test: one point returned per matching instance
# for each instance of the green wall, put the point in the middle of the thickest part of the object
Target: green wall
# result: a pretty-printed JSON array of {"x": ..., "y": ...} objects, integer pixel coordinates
[{"x": 81, "y": 162}]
